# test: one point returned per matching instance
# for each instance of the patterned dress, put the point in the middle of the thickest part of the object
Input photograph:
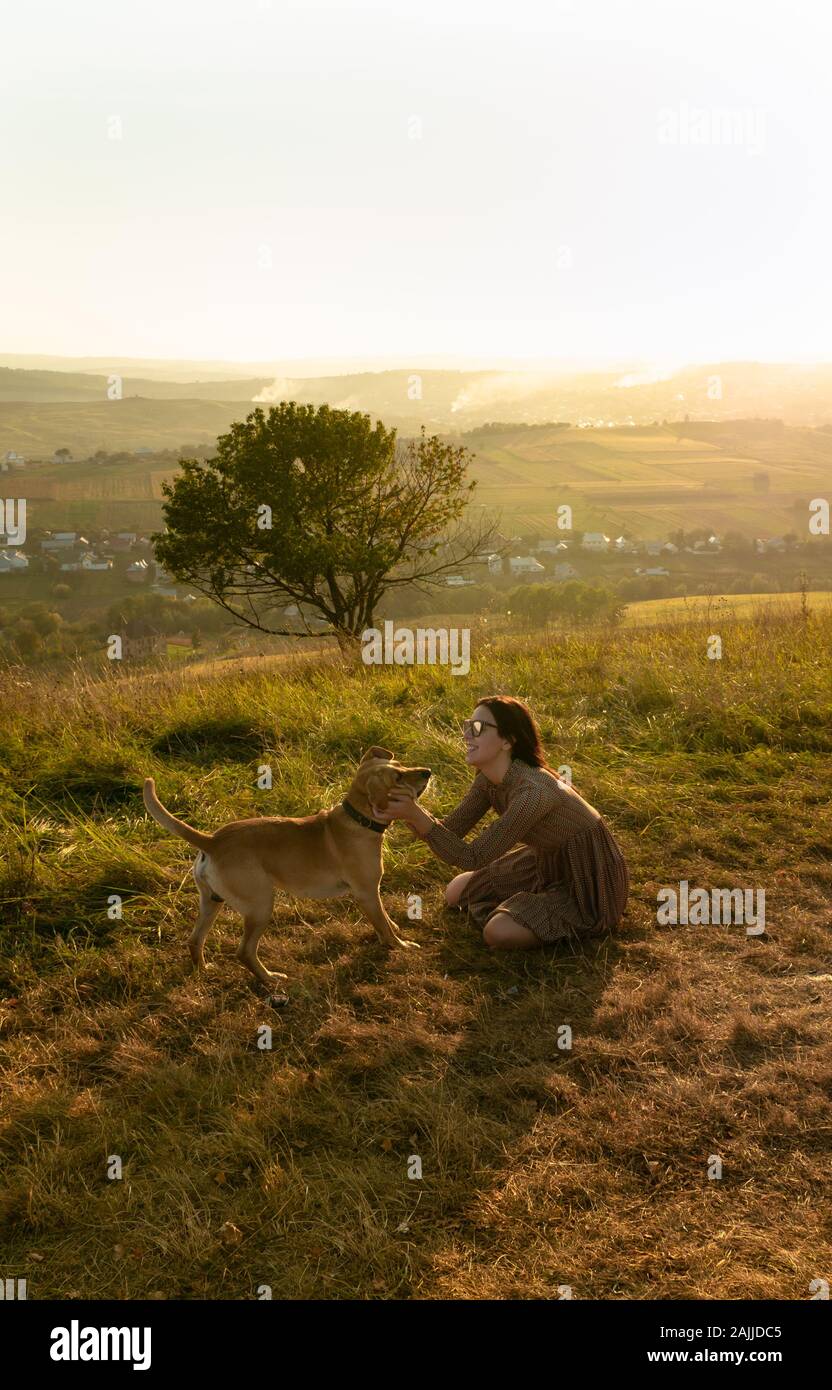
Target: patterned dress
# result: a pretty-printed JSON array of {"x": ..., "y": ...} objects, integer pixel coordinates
[{"x": 569, "y": 880}]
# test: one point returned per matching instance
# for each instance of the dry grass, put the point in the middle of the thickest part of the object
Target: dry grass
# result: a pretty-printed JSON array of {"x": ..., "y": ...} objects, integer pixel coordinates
[{"x": 541, "y": 1166}]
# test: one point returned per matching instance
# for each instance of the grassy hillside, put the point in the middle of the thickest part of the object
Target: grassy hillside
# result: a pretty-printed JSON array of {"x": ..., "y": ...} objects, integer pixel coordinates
[
  {"x": 722, "y": 606},
  {"x": 36, "y": 429},
  {"x": 41, "y": 412},
  {"x": 541, "y": 1167}
]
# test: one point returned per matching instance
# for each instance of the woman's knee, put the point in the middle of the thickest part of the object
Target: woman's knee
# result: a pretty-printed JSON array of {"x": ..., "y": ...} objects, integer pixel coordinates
[
  {"x": 453, "y": 892},
  {"x": 502, "y": 933}
]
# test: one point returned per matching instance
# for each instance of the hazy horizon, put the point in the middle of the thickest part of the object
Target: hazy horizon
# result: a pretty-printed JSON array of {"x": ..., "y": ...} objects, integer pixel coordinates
[
  {"x": 561, "y": 183},
  {"x": 322, "y": 366}
]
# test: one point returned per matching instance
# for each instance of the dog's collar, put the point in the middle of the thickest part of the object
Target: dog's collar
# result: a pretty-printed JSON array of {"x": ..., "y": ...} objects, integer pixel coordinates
[{"x": 368, "y": 824}]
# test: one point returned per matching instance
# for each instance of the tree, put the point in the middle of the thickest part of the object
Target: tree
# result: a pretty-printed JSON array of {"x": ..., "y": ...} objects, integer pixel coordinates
[
  {"x": 735, "y": 543},
  {"x": 26, "y": 638},
  {"x": 536, "y": 604},
  {"x": 158, "y": 610},
  {"x": 321, "y": 508},
  {"x": 42, "y": 620}
]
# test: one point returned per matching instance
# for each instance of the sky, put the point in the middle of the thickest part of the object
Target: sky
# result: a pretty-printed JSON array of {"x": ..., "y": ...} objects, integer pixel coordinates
[{"x": 572, "y": 180}]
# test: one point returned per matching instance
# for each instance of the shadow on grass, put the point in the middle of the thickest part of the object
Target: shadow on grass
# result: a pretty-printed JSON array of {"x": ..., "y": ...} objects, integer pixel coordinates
[
  {"x": 81, "y": 787},
  {"x": 222, "y": 740}
]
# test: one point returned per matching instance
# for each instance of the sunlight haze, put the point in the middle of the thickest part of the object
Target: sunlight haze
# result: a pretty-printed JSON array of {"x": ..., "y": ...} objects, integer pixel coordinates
[{"x": 587, "y": 181}]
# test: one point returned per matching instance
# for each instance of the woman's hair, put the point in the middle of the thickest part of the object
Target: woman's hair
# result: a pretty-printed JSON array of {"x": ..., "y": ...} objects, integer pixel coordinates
[{"x": 515, "y": 721}]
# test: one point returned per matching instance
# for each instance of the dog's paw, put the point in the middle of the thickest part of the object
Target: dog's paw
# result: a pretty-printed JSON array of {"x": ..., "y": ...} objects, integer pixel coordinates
[{"x": 408, "y": 945}]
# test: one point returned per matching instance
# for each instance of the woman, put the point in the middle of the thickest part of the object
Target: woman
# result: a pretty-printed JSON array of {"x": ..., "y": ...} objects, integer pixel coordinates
[{"x": 569, "y": 880}]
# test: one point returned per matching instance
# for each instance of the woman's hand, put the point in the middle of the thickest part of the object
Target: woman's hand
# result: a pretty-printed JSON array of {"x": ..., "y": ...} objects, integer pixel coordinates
[{"x": 401, "y": 807}]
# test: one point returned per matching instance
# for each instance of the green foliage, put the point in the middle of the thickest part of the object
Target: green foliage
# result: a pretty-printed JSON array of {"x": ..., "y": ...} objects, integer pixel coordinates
[
  {"x": 313, "y": 506},
  {"x": 165, "y": 614},
  {"x": 573, "y": 601}
]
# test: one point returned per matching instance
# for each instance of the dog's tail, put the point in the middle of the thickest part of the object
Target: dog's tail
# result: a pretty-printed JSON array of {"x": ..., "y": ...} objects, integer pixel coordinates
[{"x": 172, "y": 823}]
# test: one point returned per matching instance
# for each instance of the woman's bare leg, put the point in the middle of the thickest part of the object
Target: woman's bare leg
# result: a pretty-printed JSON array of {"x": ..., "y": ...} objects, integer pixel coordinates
[
  {"x": 454, "y": 889},
  {"x": 502, "y": 933}
]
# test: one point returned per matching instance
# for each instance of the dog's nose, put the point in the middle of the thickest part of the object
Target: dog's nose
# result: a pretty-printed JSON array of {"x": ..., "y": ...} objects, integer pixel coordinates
[{"x": 424, "y": 772}]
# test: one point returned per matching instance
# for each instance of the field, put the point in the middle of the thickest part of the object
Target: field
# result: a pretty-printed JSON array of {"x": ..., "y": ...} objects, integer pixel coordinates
[
  {"x": 542, "y": 1166},
  {"x": 37, "y": 428},
  {"x": 648, "y": 482},
  {"x": 723, "y": 606},
  {"x": 645, "y": 482}
]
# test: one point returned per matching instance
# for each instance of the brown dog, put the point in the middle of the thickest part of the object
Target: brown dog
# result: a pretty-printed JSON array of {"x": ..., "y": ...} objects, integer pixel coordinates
[{"x": 329, "y": 855}]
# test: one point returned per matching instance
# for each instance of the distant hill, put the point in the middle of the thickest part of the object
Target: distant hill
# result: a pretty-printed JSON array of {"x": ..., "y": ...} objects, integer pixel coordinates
[
  {"x": 36, "y": 429},
  {"x": 442, "y": 400},
  {"x": 44, "y": 386},
  {"x": 149, "y": 368}
]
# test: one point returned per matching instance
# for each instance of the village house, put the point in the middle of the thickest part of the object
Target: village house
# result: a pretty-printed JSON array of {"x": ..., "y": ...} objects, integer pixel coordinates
[
  {"x": 138, "y": 572},
  {"x": 13, "y": 561},
  {"x": 62, "y": 540},
  {"x": 525, "y": 564},
  {"x": 709, "y": 547},
  {"x": 565, "y": 571},
  {"x": 595, "y": 541}
]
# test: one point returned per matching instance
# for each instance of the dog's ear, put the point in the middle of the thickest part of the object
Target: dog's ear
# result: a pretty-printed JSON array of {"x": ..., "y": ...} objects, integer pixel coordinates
[
  {"x": 376, "y": 752},
  {"x": 377, "y": 790}
]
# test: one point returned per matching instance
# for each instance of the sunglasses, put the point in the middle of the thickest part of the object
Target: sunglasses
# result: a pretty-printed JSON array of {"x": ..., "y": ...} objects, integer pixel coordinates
[{"x": 476, "y": 726}]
